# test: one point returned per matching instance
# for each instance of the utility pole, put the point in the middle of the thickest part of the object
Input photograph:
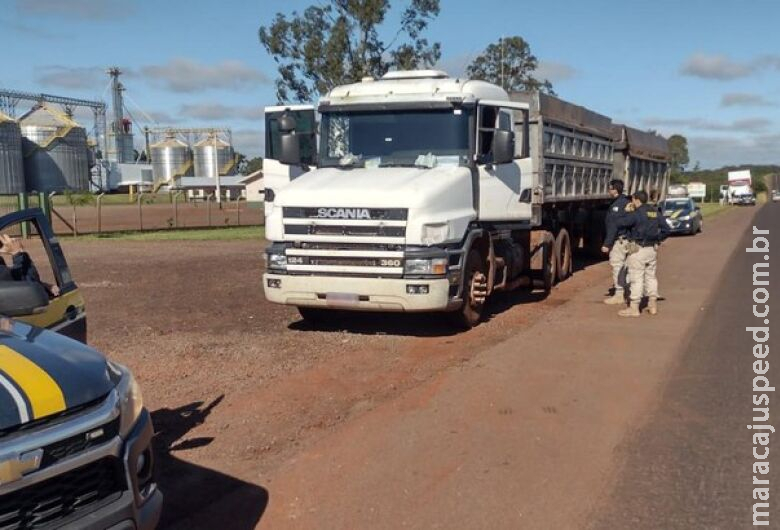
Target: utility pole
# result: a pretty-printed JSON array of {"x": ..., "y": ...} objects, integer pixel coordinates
[{"x": 216, "y": 171}]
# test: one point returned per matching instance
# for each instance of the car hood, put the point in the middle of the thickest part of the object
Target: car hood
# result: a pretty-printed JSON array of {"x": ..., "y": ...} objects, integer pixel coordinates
[
  {"x": 674, "y": 213},
  {"x": 43, "y": 374}
]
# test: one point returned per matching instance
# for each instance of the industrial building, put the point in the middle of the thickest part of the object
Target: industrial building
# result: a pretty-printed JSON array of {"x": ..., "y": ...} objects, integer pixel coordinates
[{"x": 45, "y": 150}]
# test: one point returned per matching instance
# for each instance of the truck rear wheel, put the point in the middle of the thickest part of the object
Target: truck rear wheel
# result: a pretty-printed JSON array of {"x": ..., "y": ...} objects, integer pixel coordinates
[
  {"x": 563, "y": 257},
  {"x": 474, "y": 292}
]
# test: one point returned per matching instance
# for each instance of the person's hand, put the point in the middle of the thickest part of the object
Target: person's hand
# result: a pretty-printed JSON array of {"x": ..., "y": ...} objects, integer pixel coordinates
[
  {"x": 630, "y": 207},
  {"x": 54, "y": 290},
  {"x": 10, "y": 245},
  {"x": 605, "y": 250}
]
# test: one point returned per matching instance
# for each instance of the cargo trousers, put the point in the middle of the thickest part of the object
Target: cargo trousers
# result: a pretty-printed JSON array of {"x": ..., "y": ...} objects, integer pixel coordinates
[
  {"x": 641, "y": 273},
  {"x": 617, "y": 259}
]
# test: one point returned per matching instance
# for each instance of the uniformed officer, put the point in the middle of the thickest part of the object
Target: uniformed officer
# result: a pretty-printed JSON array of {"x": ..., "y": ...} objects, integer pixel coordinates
[
  {"x": 616, "y": 241},
  {"x": 22, "y": 267},
  {"x": 647, "y": 228}
]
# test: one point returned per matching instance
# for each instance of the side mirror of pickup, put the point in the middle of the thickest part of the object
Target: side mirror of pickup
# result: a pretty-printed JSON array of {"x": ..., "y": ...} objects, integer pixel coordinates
[
  {"x": 18, "y": 298},
  {"x": 503, "y": 146},
  {"x": 290, "y": 146}
]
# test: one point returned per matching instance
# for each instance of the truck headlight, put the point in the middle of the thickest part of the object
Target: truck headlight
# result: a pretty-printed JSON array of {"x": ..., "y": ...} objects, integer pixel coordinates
[
  {"x": 426, "y": 266},
  {"x": 433, "y": 234},
  {"x": 131, "y": 402},
  {"x": 276, "y": 261}
]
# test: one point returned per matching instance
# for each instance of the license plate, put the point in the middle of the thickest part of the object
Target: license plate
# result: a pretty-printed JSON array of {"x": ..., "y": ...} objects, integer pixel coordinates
[{"x": 341, "y": 299}]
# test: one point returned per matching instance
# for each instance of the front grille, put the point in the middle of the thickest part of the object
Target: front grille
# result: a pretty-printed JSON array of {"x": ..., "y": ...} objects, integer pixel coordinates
[
  {"x": 344, "y": 261},
  {"x": 79, "y": 443},
  {"x": 49, "y": 503},
  {"x": 374, "y": 214},
  {"x": 345, "y": 230}
]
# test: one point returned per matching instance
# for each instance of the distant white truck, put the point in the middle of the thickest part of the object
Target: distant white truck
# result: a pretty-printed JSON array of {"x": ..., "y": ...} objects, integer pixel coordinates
[
  {"x": 740, "y": 188},
  {"x": 428, "y": 193}
]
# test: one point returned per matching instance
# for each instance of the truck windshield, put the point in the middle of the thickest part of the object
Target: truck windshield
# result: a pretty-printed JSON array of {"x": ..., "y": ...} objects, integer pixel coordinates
[{"x": 423, "y": 138}]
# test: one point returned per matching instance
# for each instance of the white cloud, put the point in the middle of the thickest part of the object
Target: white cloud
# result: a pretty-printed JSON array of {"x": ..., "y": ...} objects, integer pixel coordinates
[
  {"x": 220, "y": 112},
  {"x": 554, "y": 72},
  {"x": 744, "y": 99},
  {"x": 71, "y": 78},
  {"x": 187, "y": 75},
  {"x": 83, "y": 9},
  {"x": 717, "y": 152},
  {"x": 723, "y": 68},
  {"x": 743, "y": 125}
]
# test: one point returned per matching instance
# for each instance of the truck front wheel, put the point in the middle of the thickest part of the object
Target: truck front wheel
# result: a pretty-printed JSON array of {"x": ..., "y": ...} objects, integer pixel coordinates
[{"x": 475, "y": 291}]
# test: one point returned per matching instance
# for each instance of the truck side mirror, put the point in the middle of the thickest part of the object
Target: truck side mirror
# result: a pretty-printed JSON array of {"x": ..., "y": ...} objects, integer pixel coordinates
[
  {"x": 289, "y": 144},
  {"x": 19, "y": 298},
  {"x": 503, "y": 147}
]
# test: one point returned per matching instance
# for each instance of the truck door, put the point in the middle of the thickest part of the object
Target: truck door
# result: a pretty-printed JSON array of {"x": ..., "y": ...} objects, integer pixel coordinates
[
  {"x": 42, "y": 261},
  {"x": 501, "y": 184},
  {"x": 276, "y": 174}
]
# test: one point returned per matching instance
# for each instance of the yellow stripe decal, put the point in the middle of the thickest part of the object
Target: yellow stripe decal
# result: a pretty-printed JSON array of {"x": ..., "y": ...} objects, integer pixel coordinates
[{"x": 43, "y": 392}]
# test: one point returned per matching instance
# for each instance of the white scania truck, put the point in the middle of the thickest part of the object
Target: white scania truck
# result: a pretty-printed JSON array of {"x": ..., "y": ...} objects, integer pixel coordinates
[{"x": 421, "y": 192}]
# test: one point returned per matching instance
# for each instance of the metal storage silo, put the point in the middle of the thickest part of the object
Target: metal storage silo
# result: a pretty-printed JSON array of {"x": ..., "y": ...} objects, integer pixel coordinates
[
  {"x": 171, "y": 158},
  {"x": 56, "y": 155},
  {"x": 11, "y": 165},
  {"x": 204, "y": 157}
]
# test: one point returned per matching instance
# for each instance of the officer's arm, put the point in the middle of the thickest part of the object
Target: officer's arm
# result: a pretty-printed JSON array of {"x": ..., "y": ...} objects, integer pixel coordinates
[
  {"x": 609, "y": 239},
  {"x": 626, "y": 220}
]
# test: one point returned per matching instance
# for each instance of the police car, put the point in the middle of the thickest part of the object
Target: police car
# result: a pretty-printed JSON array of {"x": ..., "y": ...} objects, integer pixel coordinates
[
  {"x": 75, "y": 438},
  {"x": 682, "y": 215}
]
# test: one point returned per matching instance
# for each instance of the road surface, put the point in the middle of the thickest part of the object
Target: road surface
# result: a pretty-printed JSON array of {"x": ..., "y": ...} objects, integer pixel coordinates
[{"x": 690, "y": 466}]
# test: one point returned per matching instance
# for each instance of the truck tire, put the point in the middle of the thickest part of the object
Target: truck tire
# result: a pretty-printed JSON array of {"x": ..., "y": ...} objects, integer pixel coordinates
[
  {"x": 474, "y": 284},
  {"x": 548, "y": 267},
  {"x": 563, "y": 257}
]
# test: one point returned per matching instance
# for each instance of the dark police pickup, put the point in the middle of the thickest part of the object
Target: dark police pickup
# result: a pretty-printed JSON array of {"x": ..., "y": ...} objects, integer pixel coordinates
[{"x": 75, "y": 438}]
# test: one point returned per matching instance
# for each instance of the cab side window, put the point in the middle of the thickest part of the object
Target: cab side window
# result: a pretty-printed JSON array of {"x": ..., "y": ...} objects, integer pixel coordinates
[{"x": 488, "y": 122}]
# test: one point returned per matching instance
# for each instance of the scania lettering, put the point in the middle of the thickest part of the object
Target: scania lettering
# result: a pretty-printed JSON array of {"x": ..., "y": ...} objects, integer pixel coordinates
[{"x": 420, "y": 192}]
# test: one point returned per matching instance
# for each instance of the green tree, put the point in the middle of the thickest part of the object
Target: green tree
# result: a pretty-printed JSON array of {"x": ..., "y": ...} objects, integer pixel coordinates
[
  {"x": 678, "y": 150},
  {"x": 337, "y": 42},
  {"x": 510, "y": 64},
  {"x": 254, "y": 164}
]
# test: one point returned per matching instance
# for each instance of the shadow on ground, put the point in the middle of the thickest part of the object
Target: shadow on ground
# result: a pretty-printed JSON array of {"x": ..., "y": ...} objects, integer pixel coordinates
[
  {"x": 424, "y": 324},
  {"x": 197, "y": 497}
]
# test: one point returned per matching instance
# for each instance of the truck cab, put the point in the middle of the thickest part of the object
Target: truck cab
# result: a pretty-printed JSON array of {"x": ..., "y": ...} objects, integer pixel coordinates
[
  {"x": 75, "y": 438},
  {"x": 421, "y": 192}
]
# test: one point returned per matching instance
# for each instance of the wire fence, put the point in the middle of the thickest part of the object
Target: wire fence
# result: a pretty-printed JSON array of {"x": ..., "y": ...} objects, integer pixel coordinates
[{"x": 145, "y": 213}]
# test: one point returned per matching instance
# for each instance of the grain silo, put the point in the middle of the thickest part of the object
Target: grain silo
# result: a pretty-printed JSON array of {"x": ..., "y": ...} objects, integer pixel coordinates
[
  {"x": 56, "y": 155},
  {"x": 204, "y": 157},
  {"x": 171, "y": 158},
  {"x": 11, "y": 165}
]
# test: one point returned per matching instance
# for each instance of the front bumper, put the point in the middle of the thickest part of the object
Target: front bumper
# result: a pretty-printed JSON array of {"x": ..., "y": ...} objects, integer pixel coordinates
[
  {"x": 680, "y": 227},
  {"x": 128, "y": 512},
  {"x": 365, "y": 294}
]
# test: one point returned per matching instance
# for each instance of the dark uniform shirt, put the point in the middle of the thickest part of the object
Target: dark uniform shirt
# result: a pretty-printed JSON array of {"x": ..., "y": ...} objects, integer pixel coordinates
[
  {"x": 646, "y": 225},
  {"x": 617, "y": 210},
  {"x": 22, "y": 269}
]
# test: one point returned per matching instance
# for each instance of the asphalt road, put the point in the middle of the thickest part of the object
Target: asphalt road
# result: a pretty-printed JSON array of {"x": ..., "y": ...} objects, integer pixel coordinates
[{"x": 690, "y": 466}]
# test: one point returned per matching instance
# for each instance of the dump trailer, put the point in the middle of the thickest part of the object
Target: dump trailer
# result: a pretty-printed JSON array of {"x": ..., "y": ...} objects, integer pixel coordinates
[{"x": 422, "y": 192}]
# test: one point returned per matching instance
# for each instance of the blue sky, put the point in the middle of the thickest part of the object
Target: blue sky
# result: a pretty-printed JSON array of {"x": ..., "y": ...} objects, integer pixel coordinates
[{"x": 707, "y": 69}]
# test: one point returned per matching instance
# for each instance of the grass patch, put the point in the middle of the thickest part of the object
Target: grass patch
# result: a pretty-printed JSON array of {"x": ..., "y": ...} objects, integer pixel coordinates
[
  {"x": 233, "y": 233},
  {"x": 712, "y": 209}
]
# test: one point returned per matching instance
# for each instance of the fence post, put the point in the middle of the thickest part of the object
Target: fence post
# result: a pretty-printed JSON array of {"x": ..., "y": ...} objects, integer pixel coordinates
[
  {"x": 100, "y": 212},
  {"x": 238, "y": 210},
  {"x": 46, "y": 202},
  {"x": 24, "y": 203},
  {"x": 140, "y": 211},
  {"x": 175, "y": 199},
  {"x": 208, "y": 206}
]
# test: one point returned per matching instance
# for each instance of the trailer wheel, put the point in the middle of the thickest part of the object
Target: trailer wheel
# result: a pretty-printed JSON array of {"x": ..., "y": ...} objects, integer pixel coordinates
[
  {"x": 475, "y": 290},
  {"x": 563, "y": 257},
  {"x": 548, "y": 267}
]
